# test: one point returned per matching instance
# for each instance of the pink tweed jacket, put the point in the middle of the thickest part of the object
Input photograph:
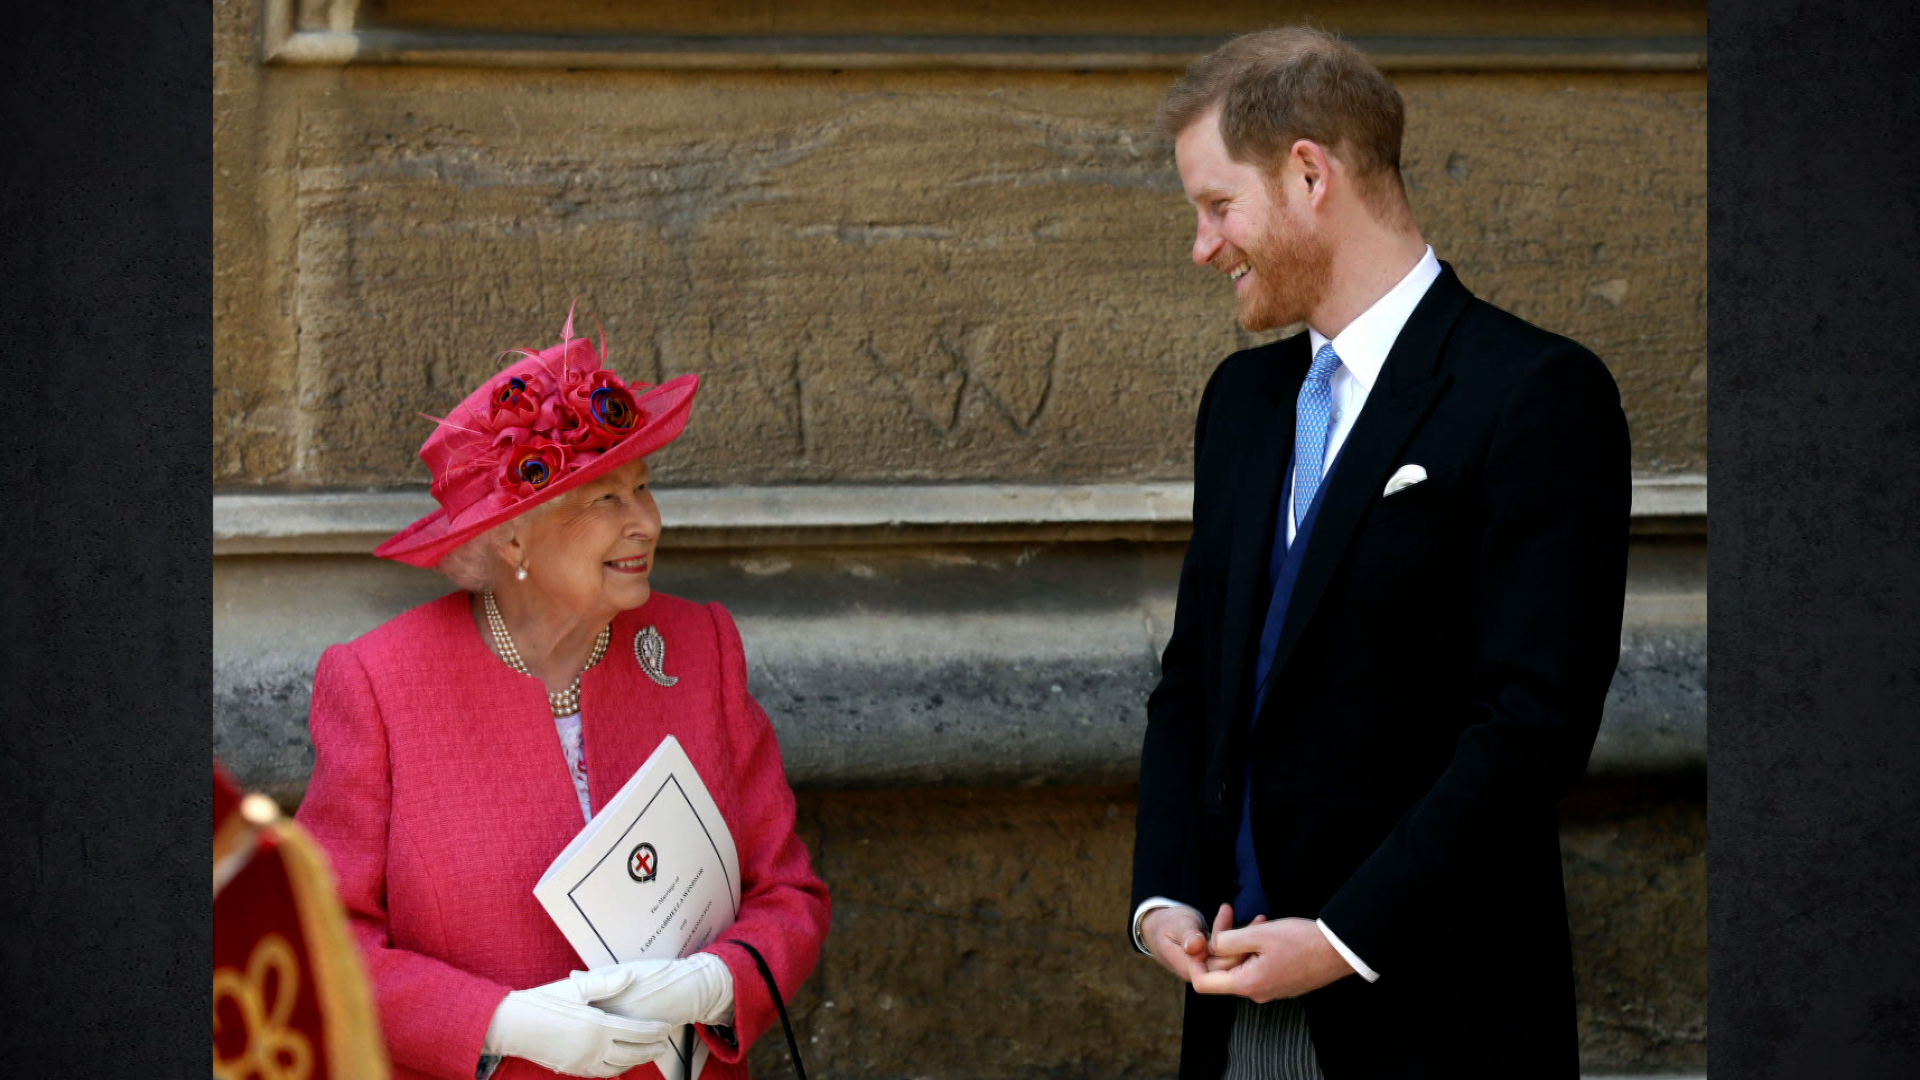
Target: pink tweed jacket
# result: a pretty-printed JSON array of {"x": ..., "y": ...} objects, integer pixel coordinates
[{"x": 441, "y": 794}]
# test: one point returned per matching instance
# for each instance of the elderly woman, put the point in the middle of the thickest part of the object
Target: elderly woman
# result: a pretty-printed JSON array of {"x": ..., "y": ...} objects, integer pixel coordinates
[{"x": 460, "y": 746}]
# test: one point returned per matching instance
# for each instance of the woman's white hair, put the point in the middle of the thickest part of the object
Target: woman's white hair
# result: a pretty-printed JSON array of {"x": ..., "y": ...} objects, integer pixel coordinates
[{"x": 476, "y": 565}]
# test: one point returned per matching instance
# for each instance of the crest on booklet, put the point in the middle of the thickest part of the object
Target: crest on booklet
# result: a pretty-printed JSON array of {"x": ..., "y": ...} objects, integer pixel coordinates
[{"x": 643, "y": 863}]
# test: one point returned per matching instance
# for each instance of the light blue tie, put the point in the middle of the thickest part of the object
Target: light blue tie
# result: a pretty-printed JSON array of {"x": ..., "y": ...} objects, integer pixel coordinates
[{"x": 1313, "y": 417}]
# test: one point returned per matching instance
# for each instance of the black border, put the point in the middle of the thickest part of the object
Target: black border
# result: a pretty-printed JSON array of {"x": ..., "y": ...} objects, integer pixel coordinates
[
  {"x": 1814, "y": 636},
  {"x": 105, "y": 595}
]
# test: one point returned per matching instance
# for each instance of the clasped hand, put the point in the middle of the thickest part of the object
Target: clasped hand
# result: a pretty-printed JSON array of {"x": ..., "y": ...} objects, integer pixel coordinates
[
  {"x": 606, "y": 1021},
  {"x": 1264, "y": 960}
]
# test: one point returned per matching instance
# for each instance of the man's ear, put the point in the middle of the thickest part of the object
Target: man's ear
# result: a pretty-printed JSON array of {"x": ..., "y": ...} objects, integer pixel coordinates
[{"x": 1309, "y": 158}]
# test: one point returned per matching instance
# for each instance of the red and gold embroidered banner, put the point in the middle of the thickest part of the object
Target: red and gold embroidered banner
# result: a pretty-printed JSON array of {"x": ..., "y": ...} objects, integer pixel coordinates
[{"x": 289, "y": 999}]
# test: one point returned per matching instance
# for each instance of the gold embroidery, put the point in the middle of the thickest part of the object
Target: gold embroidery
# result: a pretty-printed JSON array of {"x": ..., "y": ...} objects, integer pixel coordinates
[{"x": 272, "y": 1050}]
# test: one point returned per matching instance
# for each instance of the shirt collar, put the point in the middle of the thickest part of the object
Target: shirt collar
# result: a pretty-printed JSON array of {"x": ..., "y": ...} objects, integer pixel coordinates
[{"x": 1363, "y": 345}]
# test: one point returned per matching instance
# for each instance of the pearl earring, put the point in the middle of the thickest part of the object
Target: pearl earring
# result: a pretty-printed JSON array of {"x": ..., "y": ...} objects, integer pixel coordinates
[{"x": 521, "y": 574}]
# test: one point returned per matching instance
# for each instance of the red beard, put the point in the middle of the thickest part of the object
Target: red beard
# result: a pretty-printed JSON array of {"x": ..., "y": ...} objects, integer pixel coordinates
[{"x": 1292, "y": 270}]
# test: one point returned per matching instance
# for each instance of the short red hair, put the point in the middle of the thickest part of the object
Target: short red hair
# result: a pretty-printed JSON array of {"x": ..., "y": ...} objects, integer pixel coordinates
[{"x": 1278, "y": 86}]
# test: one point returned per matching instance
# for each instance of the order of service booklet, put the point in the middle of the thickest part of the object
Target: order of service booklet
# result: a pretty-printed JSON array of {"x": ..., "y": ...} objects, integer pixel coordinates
[{"x": 654, "y": 875}]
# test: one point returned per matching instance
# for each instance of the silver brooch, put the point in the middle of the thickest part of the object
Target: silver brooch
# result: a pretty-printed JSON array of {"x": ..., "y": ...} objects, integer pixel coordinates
[{"x": 651, "y": 650}]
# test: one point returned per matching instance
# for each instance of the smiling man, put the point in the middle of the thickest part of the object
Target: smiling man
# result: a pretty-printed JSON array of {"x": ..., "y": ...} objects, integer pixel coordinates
[{"x": 1397, "y": 620}]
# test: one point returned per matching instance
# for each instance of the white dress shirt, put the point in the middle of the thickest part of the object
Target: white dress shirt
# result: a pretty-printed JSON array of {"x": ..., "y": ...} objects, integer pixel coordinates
[{"x": 1362, "y": 347}]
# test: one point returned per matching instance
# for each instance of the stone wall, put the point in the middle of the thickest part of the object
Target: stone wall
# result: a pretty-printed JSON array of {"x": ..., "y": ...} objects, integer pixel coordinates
[
  {"x": 882, "y": 276},
  {"x": 975, "y": 936}
]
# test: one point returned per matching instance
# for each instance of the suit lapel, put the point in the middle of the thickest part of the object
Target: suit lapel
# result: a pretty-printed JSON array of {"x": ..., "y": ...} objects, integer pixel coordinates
[
  {"x": 1411, "y": 384},
  {"x": 1262, "y": 459}
]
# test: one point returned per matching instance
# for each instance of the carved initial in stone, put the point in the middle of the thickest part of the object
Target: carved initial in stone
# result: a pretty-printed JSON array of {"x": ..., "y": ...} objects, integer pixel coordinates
[{"x": 1015, "y": 377}]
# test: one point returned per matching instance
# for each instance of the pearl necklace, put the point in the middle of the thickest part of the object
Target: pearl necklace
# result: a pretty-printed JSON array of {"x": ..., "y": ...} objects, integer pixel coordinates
[{"x": 563, "y": 702}]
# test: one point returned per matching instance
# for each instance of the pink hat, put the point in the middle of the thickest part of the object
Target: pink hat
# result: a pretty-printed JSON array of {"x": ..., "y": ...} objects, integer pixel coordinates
[{"x": 550, "y": 422}]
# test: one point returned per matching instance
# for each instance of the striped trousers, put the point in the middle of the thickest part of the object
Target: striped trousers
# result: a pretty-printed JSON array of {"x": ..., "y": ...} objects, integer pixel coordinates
[{"x": 1270, "y": 1042}]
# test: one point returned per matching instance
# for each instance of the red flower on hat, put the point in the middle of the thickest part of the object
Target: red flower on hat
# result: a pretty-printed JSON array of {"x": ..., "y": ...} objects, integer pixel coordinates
[
  {"x": 533, "y": 465},
  {"x": 517, "y": 408},
  {"x": 551, "y": 414},
  {"x": 603, "y": 409}
]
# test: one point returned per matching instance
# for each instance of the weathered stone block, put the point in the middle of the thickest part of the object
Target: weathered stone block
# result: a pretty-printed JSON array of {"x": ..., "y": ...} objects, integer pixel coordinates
[
  {"x": 979, "y": 933},
  {"x": 882, "y": 275},
  {"x": 1634, "y": 855}
]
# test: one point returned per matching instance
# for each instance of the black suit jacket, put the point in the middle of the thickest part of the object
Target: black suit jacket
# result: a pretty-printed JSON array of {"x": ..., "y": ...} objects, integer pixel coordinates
[{"x": 1437, "y": 688}]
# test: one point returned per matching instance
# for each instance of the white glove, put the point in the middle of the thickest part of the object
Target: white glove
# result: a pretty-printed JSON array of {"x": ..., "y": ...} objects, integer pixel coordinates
[
  {"x": 571, "y": 1037},
  {"x": 694, "y": 990}
]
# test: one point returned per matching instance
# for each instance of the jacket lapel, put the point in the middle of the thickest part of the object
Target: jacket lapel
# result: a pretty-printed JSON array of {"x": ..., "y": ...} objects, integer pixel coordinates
[
  {"x": 508, "y": 713},
  {"x": 1412, "y": 384},
  {"x": 1262, "y": 459},
  {"x": 625, "y": 713}
]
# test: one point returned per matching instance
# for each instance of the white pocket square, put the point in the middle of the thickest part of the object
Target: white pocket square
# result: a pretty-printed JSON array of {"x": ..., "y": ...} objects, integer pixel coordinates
[{"x": 1405, "y": 476}]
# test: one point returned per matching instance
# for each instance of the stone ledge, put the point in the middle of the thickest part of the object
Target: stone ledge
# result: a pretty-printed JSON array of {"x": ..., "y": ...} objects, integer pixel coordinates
[
  {"x": 1000, "y": 53},
  {"x": 976, "y": 700},
  {"x": 333, "y": 33},
  {"x": 355, "y": 522}
]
